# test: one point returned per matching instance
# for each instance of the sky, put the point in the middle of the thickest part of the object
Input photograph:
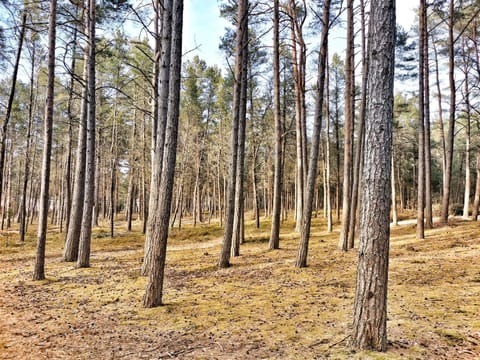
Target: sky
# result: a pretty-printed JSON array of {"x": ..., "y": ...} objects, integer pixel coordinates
[{"x": 203, "y": 27}]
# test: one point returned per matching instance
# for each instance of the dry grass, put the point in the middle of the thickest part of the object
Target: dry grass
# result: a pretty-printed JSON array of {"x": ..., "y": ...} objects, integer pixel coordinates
[{"x": 261, "y": 307}]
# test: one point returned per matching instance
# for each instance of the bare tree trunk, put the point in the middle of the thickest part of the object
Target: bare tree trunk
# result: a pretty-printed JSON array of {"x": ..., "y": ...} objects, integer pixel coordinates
[
  {"x": 159, "y": 141},
  {"x": 296, "y": 25},
  {"x": 224, "y": 260},
  {"x": 451, "y": 121},
  {"x": 361, "y": 134},
  {"x": 421, "y": 126},
  {"x": 86, "y": 226},
  {"x": 348, "y": 129},
  {"x": 476, "y": 201},
  {"x": 466, "y": 201},
  {"x": 428, "y": 150},
  {"x": 39, "y": 271},
  {"x": 11, "y": 97},
  {"x": 161, "y": 216},
  {"x": 256, "y": 206},
  {"x": 23, "y": 204},
  {"x": 274, "y": 242},
  {"x": 132, "y": 174},
  {"x": 238, "y": 231},
  {"x": 312, "y": 173},
  {"x": 394, "y": 195},
  {"x": 70, "y": 252},
  {"x": 440, "y": 112},
  {"x": 370, "y": 308},
  {"x": 328, "y": 197}
]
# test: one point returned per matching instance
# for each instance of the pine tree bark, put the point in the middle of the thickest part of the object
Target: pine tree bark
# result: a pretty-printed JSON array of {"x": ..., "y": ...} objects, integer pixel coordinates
[
  {"x": 70, "y": 251},
  {"x": 358, "y": 162},
  {"x": 348, "y": 129},
  {"x": 159, "y": 140},
  {"x": 161, "y": 215},
  {"x": 428, "y": 146},
  {"x": 328, "y": 196},
  {"x": 466, "y": 199},
  {"x": 86, "y": 226},
  {"x": 23, "y": 203},
  {"x": 39, "y": 271},
  {"x": 440, "y": 113},
  {"x": 238, "y": 230},
  {"x": 476, "y": 201},
  {"x": 274, "y": 242},
  {"x": 420, "y": 234},
  {"x": 451, "y": 120},
  {"x": 370, "y": 308},
  {"x": 11, "y": 96},
  {"x": 224, "y": 260},
  {"x": 312, "y": 169}
]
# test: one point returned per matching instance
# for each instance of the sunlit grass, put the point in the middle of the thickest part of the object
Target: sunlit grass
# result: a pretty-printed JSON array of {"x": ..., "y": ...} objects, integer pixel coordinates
[{"x": 260, "y": 307}]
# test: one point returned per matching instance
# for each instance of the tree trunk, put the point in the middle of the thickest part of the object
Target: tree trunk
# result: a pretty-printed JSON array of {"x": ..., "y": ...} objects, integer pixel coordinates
[
  {"x": 39, "y": 271},
  {"x": 370, "y": 308},
  {"x": 70, "y": 252},
  {"x": 348, "y": 129},
  {"x": 328, "y": 197},
  {"x": 160, "y": 216},
  {"x": 86, "y": 226},
  {"x": 428, "y": 150},
  {"x": 312, "y": 173},
  {"x": 224, "y": 260},
  {"x": 361, "y": 135},
  {"x": 476, "y": 201},
  {"x": 26, "y": 174},
  {"x": 238, "y": 230},
  {"x": 466, "y": 201},
  {"x": 158, "y": 140},
  {"x": 451, "y": 120},
  {"x": 274, "y": 242},
  {"x": 421, "y": 126},
  {"x": 11, "y": 97}
]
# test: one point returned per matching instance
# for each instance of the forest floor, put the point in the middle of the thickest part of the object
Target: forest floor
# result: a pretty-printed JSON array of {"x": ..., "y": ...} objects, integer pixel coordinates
[{"x": 262, "y": 307}]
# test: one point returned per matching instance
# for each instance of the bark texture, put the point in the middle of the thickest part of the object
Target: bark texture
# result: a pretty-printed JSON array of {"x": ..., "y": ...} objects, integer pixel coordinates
[
  {"x": 39, "y": 271},
  {"x": 161, "y": 215},
  {"x": 312, "y": 169},
  {"x": 224, "y": 260},
  {"x": 86, "y": 227},
  {"x": 370, "y": 308}
]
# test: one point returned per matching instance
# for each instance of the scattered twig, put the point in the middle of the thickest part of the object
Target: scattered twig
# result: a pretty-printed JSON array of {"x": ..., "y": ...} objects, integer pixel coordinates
[{"x": 339, "y": 342}]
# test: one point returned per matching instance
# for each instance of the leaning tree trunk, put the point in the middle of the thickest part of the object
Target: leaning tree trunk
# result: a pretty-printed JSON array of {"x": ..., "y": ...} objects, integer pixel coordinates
[
  {"x": 370, "y": 308},
  {"x": 312, "y": 168},
  {"x": 39, "y": 272}
]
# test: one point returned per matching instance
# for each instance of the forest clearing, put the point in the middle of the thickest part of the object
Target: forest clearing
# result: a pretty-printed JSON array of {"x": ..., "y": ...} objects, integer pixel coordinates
[{"x": 262, "y": 307}]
